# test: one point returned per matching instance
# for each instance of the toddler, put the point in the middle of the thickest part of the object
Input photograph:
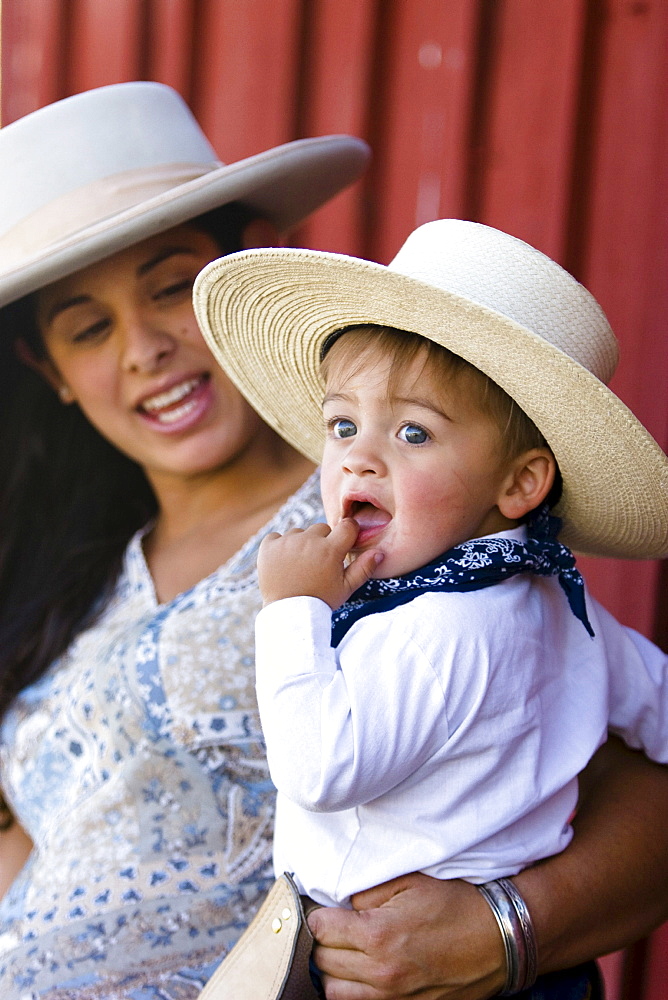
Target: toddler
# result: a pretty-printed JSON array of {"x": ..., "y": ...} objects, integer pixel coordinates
[{"x": 431, "y": 674}]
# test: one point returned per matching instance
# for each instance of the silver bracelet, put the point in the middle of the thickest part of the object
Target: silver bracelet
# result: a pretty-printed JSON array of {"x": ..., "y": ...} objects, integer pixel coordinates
[{"x": 519, "y": 940}]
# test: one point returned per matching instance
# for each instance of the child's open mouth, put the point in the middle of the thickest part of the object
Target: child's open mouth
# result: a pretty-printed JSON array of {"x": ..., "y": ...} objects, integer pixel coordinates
[{"x": 370, "y": 518}]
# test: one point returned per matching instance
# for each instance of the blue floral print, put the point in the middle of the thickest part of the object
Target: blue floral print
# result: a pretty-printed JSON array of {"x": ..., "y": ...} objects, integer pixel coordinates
[{"x": 138, "y": 768}]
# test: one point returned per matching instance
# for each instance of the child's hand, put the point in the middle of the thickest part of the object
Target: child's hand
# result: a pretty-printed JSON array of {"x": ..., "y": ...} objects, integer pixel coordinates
[{"x": 310, "y": 564}]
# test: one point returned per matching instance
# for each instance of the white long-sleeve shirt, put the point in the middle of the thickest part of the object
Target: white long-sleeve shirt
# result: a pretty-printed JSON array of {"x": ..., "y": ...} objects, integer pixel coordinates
[{"x": 445, "y": 735}]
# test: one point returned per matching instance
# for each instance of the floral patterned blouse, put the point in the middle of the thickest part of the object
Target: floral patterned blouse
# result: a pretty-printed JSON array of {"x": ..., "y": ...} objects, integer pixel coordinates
[{"x": 137, "y": 766}]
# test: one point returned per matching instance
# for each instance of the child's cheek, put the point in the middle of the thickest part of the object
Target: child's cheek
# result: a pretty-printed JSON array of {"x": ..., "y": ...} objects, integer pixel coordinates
[{"x": 329, "y": 489}]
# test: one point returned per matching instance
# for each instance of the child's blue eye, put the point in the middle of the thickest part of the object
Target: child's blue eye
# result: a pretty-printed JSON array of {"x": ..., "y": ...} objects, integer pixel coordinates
[
  {"x": 343, "y": 428},
  {"x": 412, "y": 434}
]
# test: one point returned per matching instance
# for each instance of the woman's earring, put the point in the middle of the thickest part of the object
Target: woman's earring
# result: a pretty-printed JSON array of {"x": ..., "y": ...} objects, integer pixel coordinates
[{"x": 65, "y": 394}]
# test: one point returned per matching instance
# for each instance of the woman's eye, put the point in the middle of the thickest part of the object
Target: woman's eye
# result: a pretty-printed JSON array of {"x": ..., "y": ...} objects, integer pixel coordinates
[
  {"x": 343, "y": 428},
  {"x": 92, "y": 332},
  {"x": 413, "y": 434},
  {"x": 175, "y": 288}
]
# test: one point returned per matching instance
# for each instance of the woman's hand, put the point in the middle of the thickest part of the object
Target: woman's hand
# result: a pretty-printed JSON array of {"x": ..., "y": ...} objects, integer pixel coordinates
[
  {"x": 418, "y": 937},
  {"x": 412, "y": 937}
]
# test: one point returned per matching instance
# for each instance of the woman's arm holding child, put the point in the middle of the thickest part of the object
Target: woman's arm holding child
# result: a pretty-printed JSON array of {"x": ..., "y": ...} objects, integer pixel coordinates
[
  {"x": 418, "y": 937},
  {"x": 610, "y": 887}
]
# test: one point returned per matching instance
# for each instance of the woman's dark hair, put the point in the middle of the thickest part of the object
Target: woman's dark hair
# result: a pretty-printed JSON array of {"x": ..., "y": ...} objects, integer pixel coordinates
[{"x": 69, "y": 501}]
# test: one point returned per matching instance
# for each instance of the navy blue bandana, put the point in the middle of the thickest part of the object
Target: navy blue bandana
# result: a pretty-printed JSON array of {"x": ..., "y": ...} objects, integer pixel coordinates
[{"x": 479, "y": 563}]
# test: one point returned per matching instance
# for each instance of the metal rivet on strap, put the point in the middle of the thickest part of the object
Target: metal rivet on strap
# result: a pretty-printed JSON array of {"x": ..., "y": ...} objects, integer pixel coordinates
[
  {"x": 286, "y": 914},
  {"x": 276, "y": 924}
]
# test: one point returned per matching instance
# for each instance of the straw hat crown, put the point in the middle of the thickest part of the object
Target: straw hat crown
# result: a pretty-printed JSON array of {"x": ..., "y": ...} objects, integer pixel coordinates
[
  {"x": 488, "y": 297},
  {"x": 515, "y": 280},
  {"x": 89, "y": 175}
]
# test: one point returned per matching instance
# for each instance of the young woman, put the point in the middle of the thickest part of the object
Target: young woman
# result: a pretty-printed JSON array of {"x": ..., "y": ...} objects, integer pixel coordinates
[{"x": 136, "y": 487}]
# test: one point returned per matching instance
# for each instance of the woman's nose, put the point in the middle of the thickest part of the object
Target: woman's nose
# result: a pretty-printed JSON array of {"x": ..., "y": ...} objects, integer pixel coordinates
[{"x": 147, "y": 346}]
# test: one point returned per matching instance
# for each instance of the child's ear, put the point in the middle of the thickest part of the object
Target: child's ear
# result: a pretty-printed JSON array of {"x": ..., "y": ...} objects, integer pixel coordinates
[{"x": 530, "y": 479}]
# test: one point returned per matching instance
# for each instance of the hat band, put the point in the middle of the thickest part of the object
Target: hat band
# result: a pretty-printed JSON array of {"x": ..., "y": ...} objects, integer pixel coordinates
[{"x": 62, "y": 217}]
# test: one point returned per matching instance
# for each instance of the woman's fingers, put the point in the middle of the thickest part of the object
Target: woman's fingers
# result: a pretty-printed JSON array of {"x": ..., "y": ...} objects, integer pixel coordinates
[{"x": 412, "y": 937}]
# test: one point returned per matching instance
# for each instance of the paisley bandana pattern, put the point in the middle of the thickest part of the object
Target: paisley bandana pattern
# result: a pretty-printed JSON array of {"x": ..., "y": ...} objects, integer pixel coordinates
[{"x": 481, "y": 562}]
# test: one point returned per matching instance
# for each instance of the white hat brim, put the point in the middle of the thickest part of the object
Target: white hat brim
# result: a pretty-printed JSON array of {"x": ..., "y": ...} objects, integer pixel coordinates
[
  {"x": 266, "y": 315},
  {"x": 284, "y": 184}
]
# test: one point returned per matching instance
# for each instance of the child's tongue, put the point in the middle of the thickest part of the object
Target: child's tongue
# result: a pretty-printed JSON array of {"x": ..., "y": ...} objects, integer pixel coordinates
[{"x": 369, "y": 517}]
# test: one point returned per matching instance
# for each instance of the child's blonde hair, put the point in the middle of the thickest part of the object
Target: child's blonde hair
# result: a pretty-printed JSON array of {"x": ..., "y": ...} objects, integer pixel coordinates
[{"x": 518, "y": 432}]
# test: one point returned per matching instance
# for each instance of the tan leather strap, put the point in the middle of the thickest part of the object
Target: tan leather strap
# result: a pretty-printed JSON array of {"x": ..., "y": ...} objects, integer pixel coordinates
[{"x": 270, "y": 961}]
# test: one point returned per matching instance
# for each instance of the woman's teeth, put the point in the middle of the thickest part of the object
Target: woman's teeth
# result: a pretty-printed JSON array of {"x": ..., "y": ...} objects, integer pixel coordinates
[
  {"x": 157, "y": 405},
  {"x": 171, "y": 416}
]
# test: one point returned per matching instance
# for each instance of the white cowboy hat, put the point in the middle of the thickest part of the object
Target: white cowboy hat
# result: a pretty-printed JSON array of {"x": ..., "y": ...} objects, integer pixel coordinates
[
  {"x": 94, "y": 173},
  {"x": 488, "y": 297}
]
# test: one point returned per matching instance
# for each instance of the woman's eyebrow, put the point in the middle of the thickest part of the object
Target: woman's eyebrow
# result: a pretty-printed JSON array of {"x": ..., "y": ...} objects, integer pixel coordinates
[
  {"x": 77, "y": 300},
  {"x": 162, "y": 255},
  {"x": 55, "y": 310}
]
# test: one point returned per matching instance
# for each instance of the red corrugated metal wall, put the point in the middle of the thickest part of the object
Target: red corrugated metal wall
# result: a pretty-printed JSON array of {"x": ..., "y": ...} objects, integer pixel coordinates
[{"x": 546, "y": 118}]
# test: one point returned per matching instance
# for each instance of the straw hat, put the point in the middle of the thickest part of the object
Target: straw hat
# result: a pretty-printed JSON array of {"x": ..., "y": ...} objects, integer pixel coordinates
[
  {"x": 94, "y": 173},
  {"x": 500, "y": 304}
]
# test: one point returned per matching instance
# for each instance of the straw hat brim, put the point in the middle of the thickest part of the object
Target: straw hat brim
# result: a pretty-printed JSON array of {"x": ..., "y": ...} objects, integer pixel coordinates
[
  {"x": 284, "y": 184},
  {"x": 266, "y": 314}
]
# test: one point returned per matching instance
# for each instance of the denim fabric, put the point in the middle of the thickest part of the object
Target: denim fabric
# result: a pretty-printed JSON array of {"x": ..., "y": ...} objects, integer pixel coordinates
[{"x": 581, "y": 983}]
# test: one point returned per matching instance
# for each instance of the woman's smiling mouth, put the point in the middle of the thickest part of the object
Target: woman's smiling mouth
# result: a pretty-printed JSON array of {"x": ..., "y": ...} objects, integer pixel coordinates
[{"x": 178, "y": 404}]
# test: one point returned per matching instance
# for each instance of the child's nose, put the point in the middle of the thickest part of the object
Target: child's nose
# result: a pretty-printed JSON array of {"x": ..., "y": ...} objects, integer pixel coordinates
[{"x": 364, "y": 457}]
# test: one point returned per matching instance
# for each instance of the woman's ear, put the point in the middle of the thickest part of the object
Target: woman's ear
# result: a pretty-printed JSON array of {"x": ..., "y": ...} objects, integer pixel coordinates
[
  {"x": 260, "y": 233},
  {"x": 530, "y": 479},
  {"x": 45, "y": 368}
]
